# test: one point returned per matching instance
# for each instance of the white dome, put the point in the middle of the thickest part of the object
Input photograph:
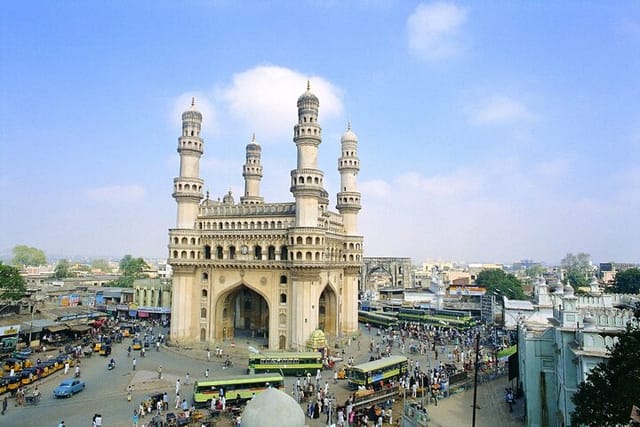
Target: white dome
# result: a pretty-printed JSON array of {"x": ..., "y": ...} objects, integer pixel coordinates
[
  {"x": 273, "y": 408},
  {"x": 349, "y": 135}
]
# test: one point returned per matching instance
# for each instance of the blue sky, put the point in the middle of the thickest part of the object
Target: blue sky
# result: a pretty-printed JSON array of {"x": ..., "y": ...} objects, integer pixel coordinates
[{"x": 488, "y": 131}]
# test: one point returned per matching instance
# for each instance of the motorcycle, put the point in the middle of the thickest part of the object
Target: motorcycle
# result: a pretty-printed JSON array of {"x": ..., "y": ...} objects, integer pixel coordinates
[{"x": 111, "y": 365}]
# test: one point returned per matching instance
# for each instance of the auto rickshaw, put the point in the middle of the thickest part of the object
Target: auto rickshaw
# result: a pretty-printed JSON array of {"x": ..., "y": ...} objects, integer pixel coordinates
[
  {"x": 45, "y": 368},
  {"x": 28, "y": 375},
  {"x": 12, "y": 363},
  {"x": 96, "y": 347},
  {"x": 137, "y": 344},
  {"x": 342, "y": 374},
  {"x": 127, "y": 330},
  {"x": 13, "y": 383},
  {"x": 105, "y": 350}
]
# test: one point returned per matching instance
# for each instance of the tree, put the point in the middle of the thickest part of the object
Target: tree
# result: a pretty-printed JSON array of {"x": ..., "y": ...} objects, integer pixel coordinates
[
  {"x": 499, "y": 282},
  {"x": 62, "y": 269},
  {"x": 24, "y": 255},
  {"x": 606, "y": 397},
  {"x": 101, "y": 264},
  {"x": 12, "y": 284},
  {"x": 131, "y": 269},
  {"x": 130, "y": 266},
  {"x": 578, "y": 268},
  {"x": 627, "y": 281},
  {"x": 535, "y": 271}
]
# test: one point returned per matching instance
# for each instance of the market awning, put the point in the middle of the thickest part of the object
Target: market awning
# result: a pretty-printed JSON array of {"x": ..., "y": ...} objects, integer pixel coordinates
[
  {"x": 79, "y": 328},
  {"x": 56, "y": 328},
  {"x": 506, "y": 352}
]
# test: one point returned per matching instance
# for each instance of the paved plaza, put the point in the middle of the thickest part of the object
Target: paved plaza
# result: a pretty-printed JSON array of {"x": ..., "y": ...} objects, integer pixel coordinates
[{"x": 106, "y": 390}]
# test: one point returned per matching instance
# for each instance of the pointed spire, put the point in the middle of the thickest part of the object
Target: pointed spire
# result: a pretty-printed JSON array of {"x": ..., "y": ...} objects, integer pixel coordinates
[
  {"x": 193, "y": 101},
  {"x": 253, "y": 137},
  {"x": 308, "y": 84},
  {"x": 349, "y": 125}
]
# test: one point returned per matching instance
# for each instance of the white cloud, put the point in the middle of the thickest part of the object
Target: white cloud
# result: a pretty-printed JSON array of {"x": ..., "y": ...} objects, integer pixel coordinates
[
  {"x": 455, "y": 185},
  {"x": 434, "y": 30},
  {"x": 376, "y": 188},
  {"x": 501, "y": 109},
  {"x": 264, "y": 97},
  {"x": 116, "y": 193}
]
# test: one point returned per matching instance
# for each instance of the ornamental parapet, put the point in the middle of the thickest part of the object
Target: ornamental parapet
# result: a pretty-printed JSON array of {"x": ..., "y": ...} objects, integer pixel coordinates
[{"x": 247, "y": 210}]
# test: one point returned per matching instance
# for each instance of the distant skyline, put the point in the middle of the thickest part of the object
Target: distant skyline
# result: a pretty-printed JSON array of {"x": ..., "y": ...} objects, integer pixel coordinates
[{"x": 488, "y": 131}]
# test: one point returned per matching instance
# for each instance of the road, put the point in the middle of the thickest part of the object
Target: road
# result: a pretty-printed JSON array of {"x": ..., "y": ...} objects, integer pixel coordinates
[{"x": 105, "y": 391}]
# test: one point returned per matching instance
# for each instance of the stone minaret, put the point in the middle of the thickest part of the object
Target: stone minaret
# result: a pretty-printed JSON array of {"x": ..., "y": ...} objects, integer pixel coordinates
[
  {"x": 305, "y": 237},
  {"x": 349, "y": 197},
  {"x": 187, "y": 188},
  {"x": 252, "y": 173},
  {"x": 307, "y": 179}
]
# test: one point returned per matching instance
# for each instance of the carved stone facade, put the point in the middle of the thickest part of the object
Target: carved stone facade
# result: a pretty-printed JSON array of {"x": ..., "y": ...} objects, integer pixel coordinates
[
  {"x": 272, "y": 270},
  {"x": 398, "y": 269}
]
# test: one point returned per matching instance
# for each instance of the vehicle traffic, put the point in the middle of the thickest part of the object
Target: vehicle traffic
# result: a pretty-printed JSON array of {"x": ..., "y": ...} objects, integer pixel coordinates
[
  {"x": 236, "y": 389},
  {"x": 285, "y": 363},
  {"x": 68, "y": 388},
  {"x": 372, "y": 374}
]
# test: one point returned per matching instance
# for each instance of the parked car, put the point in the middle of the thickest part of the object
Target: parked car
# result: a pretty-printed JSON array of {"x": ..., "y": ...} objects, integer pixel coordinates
[{"x": 68, "y": 388}]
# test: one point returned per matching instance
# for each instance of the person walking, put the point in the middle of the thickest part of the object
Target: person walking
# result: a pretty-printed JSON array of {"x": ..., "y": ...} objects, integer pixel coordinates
[
  {"x": 186, "y": 379},
  {"x": 160, "y": 372},
  {"x": 208, "y": 354},
  {"x": 206, "y": 373},
  {"x": 135, "y": 418},
  {"x": 4, "y": 405},
  {"x": 133, "y": 363},
  {"x": 66, "y": 368}
]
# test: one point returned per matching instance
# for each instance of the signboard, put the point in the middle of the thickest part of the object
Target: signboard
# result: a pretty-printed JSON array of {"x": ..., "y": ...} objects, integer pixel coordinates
[
  {"x": 69, "y": 300},
  {"x": 9, "y": 330}
]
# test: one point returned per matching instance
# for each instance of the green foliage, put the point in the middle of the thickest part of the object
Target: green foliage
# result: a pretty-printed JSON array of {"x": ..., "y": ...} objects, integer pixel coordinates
[
  {"x": 130, "y": 266},
  {"x": 101, "y": 264},
  {"x": 131, "y": 269},
  {"x": 499, "y": 282},
  {"x": 24, "y": 255},
  {"x": 62, "y": 269},
  {"x": 627, "y": 282},
  {"x": 578, "y": 268},
  {"x": 12, "y": 284},
  {"x": 605, "y": 398},
  {"x": 535, "y": 271}
]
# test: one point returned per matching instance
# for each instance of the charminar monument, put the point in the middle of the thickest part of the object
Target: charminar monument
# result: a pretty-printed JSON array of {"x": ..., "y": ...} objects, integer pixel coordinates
[{"x": 272, "y": 270}]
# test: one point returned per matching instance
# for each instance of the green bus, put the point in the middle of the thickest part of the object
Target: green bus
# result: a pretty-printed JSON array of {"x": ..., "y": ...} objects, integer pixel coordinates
[
  {"x": 291, "y": 363},
  {"x": 236, "y": 389},
  {"x": 442, "y": 319},
  {"x": 385, "y": 320},
  {"x": 372, "y": 373}
]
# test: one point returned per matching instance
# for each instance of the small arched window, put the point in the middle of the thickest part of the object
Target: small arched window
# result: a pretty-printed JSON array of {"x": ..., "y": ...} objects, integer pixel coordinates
[
  {"x": 205, "y": 293},
  {"x": 203, "y": 313},
  {"x": 283, "y": 298}
]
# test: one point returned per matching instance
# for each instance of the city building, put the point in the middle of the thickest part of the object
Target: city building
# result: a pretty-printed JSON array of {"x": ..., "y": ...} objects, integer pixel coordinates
[
  {"x": 561, "y": 343},
  {"x": 261, "y": 269}
]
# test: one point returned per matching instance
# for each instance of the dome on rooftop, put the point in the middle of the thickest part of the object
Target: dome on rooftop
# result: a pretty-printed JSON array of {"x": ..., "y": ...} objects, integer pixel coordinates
[
  {"x": 349, "y": 135},
  {"x": 273, "y": 408}
]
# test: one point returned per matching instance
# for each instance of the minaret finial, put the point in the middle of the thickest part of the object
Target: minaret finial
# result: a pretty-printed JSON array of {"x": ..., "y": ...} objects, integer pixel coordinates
[
  {"x": 308, "y": 84},
  {"x": 349, "y": 125},
  {"x": 193, "y": 101},
  {"x": 253, "y": 137}
]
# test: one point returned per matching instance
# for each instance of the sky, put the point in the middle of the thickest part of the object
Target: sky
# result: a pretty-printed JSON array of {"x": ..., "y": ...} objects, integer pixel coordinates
[{"x": 488, "y": 131}]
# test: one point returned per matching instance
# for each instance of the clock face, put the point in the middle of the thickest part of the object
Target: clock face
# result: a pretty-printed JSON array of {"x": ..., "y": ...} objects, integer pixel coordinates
[{"x": 244, "y": 249}]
